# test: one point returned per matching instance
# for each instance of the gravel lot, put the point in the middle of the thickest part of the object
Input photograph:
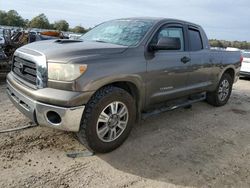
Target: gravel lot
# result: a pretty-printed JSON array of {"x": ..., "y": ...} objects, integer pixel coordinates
[{"x": 199, "y": 147}]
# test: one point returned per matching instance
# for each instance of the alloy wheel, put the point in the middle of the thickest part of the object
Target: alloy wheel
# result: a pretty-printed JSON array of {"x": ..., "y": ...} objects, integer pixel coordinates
[
  {"x": 112, "y": 121},
  {"x": 224, "y": 89}
]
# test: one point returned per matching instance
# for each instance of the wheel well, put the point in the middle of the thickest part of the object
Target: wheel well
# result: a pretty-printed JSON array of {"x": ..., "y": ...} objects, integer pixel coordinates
[
  {"x": 132, "y": 89},
  {"x": 231, "y": 72},
  {"x": 129, "y": 87}
]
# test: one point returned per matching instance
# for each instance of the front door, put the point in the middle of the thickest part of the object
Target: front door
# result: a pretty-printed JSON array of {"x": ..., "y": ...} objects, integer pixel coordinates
[{"x": 167, "y": 70}]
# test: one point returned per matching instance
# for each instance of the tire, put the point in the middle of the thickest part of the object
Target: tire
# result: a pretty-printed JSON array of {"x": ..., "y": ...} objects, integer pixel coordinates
[
  {"x": 93, "y": 123},
  {"x": 220, "y": 96}
]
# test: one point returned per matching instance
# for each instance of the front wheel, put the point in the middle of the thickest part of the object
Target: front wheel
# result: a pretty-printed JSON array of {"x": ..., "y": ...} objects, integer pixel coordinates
[
  {"x": 221, "y": 95},
  {"x": 107, "y": 120}
]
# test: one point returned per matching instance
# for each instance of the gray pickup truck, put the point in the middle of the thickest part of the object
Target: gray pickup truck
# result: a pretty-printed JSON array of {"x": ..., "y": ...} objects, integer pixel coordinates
[{"x": 116, "y": 74}]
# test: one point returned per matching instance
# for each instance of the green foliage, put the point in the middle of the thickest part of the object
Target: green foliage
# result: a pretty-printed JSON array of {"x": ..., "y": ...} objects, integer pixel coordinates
[
  {"x": 79, "y": 29},
  {"x": 11, "y": 18},
  {"x": 40, "y": 21},
  {"x": 52, "y": 26},
  {"x": 235, "y": 44},
  {"x": 61, "y": 25}
]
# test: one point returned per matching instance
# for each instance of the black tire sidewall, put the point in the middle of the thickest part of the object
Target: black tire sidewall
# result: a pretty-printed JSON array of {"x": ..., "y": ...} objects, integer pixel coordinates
[{"x": 91, "y": 135}]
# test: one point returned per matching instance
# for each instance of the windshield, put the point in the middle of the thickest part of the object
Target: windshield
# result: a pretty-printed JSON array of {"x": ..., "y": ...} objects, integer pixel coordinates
[
  {"x": 246, "y": 55},
  {"x": 121, "y": 32}
]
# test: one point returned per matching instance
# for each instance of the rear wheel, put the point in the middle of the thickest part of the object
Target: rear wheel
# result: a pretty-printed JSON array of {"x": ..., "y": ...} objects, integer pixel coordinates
[
  {"x": 221, "y": 95},
  {"x": 107, "y": 120}
]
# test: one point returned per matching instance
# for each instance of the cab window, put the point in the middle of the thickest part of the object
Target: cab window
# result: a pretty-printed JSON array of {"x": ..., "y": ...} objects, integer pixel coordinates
[
  {"x": 195, "y": 40},
  {"x": 175, "y": 32}
]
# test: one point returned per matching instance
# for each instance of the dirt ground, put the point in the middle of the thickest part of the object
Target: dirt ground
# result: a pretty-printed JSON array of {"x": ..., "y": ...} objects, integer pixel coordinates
[{"x": 199, "y": 147}]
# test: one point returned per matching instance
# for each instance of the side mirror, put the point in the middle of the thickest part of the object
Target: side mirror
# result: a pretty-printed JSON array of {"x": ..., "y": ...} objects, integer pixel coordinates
[{"x": 167, "y": 43}]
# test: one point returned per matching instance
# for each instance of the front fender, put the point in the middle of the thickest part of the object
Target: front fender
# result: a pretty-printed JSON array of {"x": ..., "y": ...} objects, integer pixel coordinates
[{"x": 135, "y": 80}]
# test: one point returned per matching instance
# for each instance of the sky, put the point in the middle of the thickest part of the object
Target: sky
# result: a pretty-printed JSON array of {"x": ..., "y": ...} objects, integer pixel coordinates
[{"x": 221, "y": 19}]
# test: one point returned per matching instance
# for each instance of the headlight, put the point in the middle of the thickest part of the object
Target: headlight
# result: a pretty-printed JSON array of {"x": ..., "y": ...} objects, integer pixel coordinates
[{"x": 65, "y": 72}]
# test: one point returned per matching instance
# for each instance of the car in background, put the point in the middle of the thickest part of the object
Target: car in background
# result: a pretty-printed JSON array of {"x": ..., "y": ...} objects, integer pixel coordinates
[
  {"x": 74, "y": 36},
  {"x": 245, "y": 67},
  {"x": 2, "y": 41},
  {"x": 232, "y": 49}
]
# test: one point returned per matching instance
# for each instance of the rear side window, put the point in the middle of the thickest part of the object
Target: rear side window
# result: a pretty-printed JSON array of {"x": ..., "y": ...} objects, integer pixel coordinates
[{"x": 195, "y": 40}]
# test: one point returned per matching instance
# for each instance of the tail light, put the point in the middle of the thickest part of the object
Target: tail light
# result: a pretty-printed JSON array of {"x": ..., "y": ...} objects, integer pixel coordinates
[{"x": 241, "y": 59}]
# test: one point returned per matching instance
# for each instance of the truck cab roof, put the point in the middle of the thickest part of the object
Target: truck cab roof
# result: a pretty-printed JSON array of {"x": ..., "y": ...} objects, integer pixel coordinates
[{"x": 160, "y": 19}]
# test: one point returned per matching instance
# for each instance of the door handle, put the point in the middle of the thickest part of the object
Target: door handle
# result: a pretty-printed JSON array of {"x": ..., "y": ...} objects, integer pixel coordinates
[{"x": 185, "y": 59}]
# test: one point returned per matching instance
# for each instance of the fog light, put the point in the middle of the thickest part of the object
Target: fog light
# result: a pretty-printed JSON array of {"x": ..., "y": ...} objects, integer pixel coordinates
[{"x": 53, "y": 117}]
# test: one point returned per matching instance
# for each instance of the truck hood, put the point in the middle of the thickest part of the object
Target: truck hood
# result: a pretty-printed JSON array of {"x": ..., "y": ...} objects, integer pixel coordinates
[{"x": 67, "y": 50}]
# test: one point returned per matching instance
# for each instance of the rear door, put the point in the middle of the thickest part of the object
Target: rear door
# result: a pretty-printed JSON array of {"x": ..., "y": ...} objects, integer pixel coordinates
[
  {"x": 167, "y": 74},
  {"x": 201, "y": 64}
]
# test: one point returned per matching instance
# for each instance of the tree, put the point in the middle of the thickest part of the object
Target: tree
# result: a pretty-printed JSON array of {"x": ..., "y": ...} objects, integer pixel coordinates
[
  {"x": 40, "y": 21},
  {"x": 11, "y": 18},
  {"x": 52, "y": 26},
  {"x": 79, "y": 29},
  {"x": 235, "y": 44},
  {"x": 3, "y": 16},
  {"x": 61, "y": 25}
]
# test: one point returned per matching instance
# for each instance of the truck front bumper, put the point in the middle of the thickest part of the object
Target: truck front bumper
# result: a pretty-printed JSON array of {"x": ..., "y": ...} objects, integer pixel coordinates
[{"x": 64, "y": 118}]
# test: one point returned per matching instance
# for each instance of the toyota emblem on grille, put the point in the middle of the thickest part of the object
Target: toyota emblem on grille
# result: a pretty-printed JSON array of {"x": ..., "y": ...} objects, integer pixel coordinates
[{"x": 21, "y": 68}]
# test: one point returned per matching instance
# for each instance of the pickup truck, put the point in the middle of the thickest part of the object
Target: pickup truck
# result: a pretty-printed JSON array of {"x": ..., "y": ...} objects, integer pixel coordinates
[{"x": 100, "y": 85}]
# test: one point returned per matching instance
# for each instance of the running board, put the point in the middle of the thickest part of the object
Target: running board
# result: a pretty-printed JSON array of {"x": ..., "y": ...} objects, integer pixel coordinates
[{"x": 188, "y": 102}]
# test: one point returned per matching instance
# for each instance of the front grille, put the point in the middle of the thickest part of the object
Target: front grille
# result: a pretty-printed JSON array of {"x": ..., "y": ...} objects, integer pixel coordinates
[{"x": 25, "y": 69}]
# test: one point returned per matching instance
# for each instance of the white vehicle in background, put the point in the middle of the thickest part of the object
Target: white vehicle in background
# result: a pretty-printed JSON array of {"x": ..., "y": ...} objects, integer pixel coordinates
[
  {"x": 245, "y": 67},
  {"x": 232, "y": 49},
  {"x": 74, "y": 36}
]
